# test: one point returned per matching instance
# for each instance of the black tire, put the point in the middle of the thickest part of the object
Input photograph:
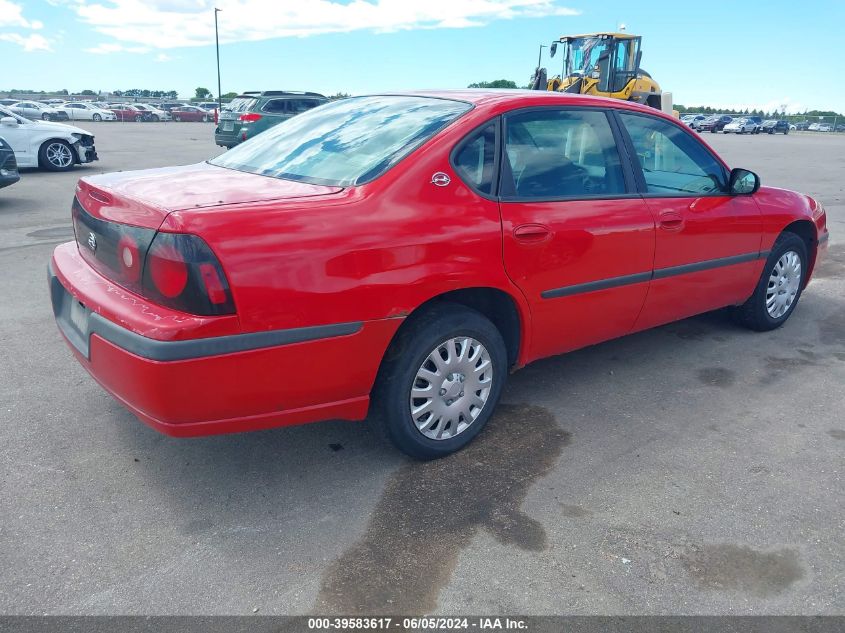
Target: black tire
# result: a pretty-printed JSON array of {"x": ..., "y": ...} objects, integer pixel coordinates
[
  {"x": 177, "y": 118},
  {"x": 406, "y": 355},
  {"x": 46, "y": 155},
  {"x": 45, "y": 117},
  {"x": 155, "y": 118},
  {"x": 138, "y": 118},
  {"x": 753, "y": 313},
  {"x": 785, "y": 132},
  {"x": 97, "y": 118}
]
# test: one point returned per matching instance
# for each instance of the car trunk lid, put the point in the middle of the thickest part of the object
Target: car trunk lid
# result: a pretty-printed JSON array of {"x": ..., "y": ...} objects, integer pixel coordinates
[{"x": 145, "y": 198}]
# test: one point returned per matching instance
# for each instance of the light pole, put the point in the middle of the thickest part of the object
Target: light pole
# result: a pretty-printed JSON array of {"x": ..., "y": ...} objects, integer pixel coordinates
[
  {"x": 540, "y": 55},
  {"x": 217, "y": 45}
]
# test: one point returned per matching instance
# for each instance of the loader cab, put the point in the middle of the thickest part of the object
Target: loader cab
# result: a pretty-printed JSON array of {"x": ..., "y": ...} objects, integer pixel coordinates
[{"x": 611, "y": 58}]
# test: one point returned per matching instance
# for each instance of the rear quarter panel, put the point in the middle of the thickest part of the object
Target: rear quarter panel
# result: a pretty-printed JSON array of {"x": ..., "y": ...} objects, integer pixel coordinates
[{"x": 370, "y": 252}]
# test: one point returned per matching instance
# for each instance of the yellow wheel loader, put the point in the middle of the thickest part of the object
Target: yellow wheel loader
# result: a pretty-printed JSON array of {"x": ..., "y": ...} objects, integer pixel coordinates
[{"x": 601, "y": 64}]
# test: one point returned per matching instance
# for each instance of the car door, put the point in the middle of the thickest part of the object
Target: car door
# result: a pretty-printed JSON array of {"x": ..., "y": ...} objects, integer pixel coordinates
[
  {"x": 707, "y": 249},
  {"x": 577, "y": 238},
  {"x": 18, "y": 138}
]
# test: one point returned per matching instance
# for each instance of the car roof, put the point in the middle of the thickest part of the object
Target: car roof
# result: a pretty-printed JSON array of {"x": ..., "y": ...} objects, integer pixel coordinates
[{"x": 528, "y": 98}]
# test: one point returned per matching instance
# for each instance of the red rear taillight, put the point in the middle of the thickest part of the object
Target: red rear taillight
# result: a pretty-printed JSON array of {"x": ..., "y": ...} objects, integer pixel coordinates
[
  {"x": 168, "y": 270},
  {"x": 182, "y": 273},
  {"x": 216, "y": 115},
  {"x": 250, "y": 117},
  {"x": 176, "y": 270}
]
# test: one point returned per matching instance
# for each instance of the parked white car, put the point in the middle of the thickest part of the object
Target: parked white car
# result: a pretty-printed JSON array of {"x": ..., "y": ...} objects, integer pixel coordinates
[
  {"x": 824, "y": 127},
  {"x": 156, "y": 114},
  {"x": 741, "y": 126},
  {"x": 34, "y": 110},
  {"x": 82, "y": 111},
  {"x": 51, "y": 146}
]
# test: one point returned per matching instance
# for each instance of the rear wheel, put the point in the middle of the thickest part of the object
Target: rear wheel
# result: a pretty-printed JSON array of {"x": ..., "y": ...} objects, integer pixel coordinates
[
  {"x": 138, "y": 118},
  {"x": 56, "y": 155},
  {"x": 440, "y": 380},
  {"x": 779, "y": 289},
  {"x": 177, "y": 118},
  {"x": 155, "y": 118},
  {"x": 45, "y": 117}
]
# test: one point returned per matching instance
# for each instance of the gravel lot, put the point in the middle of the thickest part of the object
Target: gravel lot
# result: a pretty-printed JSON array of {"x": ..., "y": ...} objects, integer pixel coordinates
[{"x": 695, "y": 468}]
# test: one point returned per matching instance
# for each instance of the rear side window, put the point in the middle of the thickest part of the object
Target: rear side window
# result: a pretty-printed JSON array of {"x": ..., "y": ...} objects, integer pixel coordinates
[
  {"x": 301, "y": 105},
  {"x": 475, "y": 160},
  {"x": 562, "y": 154},
  {"x": 346, "y": 142},
  {"x": 672, "y": 161},
  {"x": 276, "y": 106}
]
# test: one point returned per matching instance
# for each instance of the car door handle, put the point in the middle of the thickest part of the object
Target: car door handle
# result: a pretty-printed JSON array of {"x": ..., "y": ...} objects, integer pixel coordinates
[
  {"x": 670, "y": 221},
  {"x": 532, "y": 233}
]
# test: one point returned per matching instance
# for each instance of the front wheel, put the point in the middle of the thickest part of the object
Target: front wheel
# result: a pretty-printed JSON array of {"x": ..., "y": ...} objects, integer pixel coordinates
[
  {"x": 56, "y": 155},
  {"x": 138, "y": 118},
  {"x": 177, "y": 118},
  {"x": 779, "y": 288},
  {"x": 97, "y": 118},
  {"x": 45, "y": 117},
  {"x": 440, "y": 380}
]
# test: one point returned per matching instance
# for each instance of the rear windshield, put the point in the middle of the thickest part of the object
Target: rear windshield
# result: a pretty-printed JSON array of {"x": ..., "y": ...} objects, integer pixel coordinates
[
  {"x": 240, "y": 104},
  {"x": 346, "y": 142}
]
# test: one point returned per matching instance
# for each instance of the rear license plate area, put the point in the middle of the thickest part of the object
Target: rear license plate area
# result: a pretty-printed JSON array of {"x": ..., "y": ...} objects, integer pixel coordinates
[
  {"x": 228, "y": 126},
  {"x": 78, "y": 316}
]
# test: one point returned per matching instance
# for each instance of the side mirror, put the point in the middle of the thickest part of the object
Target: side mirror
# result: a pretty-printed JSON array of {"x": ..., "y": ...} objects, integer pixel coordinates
[
  {"x": 743, "y": 182},
  {"x": 9, "y": 121},
  {"x": 553, "y": 49}
]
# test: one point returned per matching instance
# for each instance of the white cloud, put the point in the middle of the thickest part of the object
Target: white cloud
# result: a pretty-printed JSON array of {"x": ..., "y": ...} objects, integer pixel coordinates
[
  {"x": 163, "y": 24},
  {"x": 163, "y": 57},
  {"x": 29, "y": 43},
  {"x": 11, "y": 14},
  {"x": 109, "y": 47}
]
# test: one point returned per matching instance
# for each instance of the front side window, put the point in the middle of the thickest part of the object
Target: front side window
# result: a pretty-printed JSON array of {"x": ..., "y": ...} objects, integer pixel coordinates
[
  {"x": 347, "y": 142},
  {"x": 672, "y": 161},
  {"x": 476, "y": 158},
  {"x": 562, "y": 154}
]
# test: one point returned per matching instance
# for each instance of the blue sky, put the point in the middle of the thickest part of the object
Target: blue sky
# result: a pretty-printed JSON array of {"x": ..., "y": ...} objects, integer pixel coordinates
[{"x": 727, "y": 54}]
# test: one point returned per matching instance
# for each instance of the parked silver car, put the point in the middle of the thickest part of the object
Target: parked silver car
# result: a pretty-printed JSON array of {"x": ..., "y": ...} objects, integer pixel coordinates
[{"x": 35, "y": 111}]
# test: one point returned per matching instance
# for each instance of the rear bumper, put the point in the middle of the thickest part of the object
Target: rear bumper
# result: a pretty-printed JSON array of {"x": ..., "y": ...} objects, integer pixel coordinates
[
  {"x": 219, "y": 384},
  {"x": 226, "y": 140}
]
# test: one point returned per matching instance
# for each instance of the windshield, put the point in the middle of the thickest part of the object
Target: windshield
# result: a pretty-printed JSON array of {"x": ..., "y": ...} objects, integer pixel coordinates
[
  {"x": 345, "y": 142},
  {"x": 583, "y": 54}
]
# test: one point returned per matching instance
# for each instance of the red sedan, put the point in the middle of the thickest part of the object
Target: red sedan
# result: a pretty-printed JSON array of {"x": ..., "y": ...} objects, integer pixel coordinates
[
  {"x": 400, "y": 255},
  {"x": 190, "y": 113},
  {"x": 127, "y": 112}
]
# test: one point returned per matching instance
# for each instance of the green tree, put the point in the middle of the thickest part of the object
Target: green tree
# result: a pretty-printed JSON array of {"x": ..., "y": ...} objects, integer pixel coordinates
[
  {"x": 229, "y": 95},
  {"x": 88, "y": 93},
  {"x": 202, "y": 93},
  {"x": 498, "y": 83}
]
